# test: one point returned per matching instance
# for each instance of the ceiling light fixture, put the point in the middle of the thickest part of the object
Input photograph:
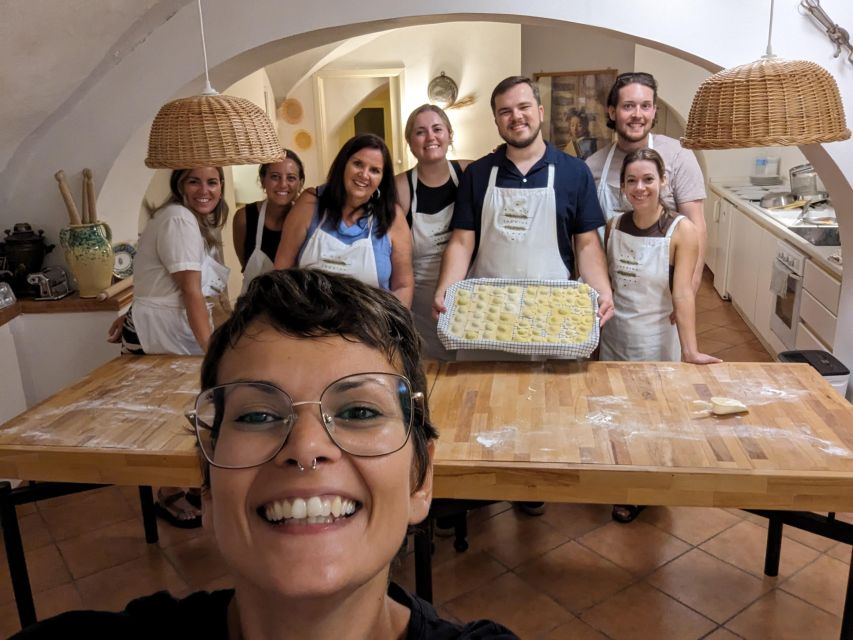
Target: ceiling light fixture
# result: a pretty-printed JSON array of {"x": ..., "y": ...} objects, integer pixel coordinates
[
  {"x": 211, "y": 130},
  {"x": 770, "y": 102}
]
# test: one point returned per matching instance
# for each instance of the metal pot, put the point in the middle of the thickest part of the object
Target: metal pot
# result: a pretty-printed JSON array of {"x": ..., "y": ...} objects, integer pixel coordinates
[
  {"x": 803, "y": 180},
  {"x": 24, "y": 250},
  {"x": 777, "y": 200}
]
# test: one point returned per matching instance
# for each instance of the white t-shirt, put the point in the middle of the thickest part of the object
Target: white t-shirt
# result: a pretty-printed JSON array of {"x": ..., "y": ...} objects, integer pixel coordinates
[
  {"x": 683, "y": 175},
  {"x": 171, "y": 242}
]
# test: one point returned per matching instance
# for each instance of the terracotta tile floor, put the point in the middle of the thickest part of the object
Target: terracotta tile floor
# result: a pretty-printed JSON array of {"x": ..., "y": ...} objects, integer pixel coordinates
[{"x": 680, "y": 573}]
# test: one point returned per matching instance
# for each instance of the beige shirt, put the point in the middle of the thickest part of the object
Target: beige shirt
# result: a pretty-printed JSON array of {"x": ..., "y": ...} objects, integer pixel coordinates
[{"x": 685, "y": 182}]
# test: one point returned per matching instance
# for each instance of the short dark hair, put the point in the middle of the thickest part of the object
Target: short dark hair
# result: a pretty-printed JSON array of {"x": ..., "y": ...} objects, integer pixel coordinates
[
  {"x": 288, "y": 155},
  {"x": 508, "y": 83},
  {"x": 308, "y": 303},
  {"x": 334, "y": 195},
  {"x": 623, "y": 80}
]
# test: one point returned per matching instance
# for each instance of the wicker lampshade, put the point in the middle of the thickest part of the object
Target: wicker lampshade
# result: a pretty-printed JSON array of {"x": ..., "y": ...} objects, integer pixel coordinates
[
  {"x": 211, "y": 130},
  {"x": 766, "y": 103}
]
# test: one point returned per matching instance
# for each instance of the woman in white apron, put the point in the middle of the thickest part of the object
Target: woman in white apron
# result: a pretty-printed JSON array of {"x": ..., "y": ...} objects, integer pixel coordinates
[
  {"x": 427, "y": 194},
  {"x": 174, "y": 272},
  {"x": 352, "y": 225},
  {"x": 650, "y": 255},
  {"x": 257, "y": 226}
]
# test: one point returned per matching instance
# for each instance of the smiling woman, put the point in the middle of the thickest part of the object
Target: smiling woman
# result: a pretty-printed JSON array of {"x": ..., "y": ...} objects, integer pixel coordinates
[
  {"x": 317, "y": 446},
  {"x": 352, "y": 225}
]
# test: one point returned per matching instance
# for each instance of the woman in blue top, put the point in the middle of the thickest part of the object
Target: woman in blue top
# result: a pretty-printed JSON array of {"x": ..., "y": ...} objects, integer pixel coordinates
[{"x": 352, "y": 225}]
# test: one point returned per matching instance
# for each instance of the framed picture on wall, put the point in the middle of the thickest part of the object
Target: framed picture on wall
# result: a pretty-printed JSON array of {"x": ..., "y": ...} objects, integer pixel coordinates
[{"x": 576, "y": 109}]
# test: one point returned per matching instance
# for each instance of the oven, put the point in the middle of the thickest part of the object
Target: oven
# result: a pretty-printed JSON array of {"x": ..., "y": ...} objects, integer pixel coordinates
[{"x": 787, "y": 287}]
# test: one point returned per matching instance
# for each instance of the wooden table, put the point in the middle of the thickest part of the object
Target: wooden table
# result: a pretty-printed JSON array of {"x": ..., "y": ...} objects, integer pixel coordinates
[{"x": 558, "y": 431}]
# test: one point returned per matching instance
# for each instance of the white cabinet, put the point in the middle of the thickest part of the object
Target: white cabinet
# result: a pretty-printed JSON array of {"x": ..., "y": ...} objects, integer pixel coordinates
[
  {"x": 711, "y": 211},
  {"x": 723, "y": 214},
  {"x": 764, "y": 298},
  {"x": 743, "y": 263}
]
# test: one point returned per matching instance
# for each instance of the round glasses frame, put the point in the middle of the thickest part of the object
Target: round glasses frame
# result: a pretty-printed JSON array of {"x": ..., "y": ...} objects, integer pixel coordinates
[{"x": 200, "y": 427}]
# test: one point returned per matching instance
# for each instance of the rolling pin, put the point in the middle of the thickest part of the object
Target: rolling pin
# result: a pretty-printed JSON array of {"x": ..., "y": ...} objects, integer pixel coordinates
[
  {"x": 89, "y": 185},
  {"x": 85, "y": 209},
  {"x": 118, "y": 287},
  {"x": 73, "y": 216}
]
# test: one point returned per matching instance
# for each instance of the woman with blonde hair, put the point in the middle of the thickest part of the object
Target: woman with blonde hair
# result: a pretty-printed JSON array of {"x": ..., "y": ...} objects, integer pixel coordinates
[{"x": 427, "y": 193}]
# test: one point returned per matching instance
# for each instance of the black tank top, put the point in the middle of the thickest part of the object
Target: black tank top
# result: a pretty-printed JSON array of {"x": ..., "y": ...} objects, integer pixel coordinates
[
  {"x": 270, "y": 239},
  {"x": 432, "y": 199}
]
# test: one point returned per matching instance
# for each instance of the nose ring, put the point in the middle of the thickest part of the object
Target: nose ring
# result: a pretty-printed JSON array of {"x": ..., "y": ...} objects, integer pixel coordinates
[{"x": 313, "y": 465}]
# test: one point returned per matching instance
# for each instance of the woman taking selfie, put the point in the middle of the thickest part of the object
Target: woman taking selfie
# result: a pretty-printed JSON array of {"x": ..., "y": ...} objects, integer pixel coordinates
[{"x": 317, "y": 447}]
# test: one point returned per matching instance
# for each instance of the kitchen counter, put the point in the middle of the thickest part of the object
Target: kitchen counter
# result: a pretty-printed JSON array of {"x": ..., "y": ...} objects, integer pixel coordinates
[{"x": 820, "y": 255}]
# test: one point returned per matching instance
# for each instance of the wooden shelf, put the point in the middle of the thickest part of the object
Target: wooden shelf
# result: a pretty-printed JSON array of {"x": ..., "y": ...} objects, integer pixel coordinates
[{"x": 75, "y": 304}]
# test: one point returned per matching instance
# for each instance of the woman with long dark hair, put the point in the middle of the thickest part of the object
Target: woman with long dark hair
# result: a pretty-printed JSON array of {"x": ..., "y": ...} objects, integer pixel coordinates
[{"x": 352, "y": 225}]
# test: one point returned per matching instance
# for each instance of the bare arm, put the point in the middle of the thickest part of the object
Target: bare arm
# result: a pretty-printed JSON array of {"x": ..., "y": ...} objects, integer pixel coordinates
[
  {"x": 238, "y": 231},
  {"x": 695, "y": 212},
  {"x": 189, "y": 282},
  {"x": 454, "y": 265},
  {"x": 592, "y": 265},
  {"x": 685, "y": 242},
  {"x": 404, "y": 196},
  {"x": 295, "y": 230},
  {"x": 402, "y": 276}
]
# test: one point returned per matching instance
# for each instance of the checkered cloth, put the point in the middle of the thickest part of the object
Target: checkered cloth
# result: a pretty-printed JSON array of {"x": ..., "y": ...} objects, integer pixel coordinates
[{"x": 552, "y": 349}]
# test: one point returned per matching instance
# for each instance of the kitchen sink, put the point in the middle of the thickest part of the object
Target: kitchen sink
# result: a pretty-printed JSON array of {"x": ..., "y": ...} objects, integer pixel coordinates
[{"x": 818, "y": 234}]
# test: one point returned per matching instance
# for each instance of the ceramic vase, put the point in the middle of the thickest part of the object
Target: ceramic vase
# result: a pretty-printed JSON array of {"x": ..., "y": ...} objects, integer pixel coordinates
[{"x": 89, "y": 254}]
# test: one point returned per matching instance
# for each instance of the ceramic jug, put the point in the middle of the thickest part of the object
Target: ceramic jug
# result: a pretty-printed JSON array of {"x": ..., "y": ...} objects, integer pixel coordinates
[{"x": 89, "y": 254}]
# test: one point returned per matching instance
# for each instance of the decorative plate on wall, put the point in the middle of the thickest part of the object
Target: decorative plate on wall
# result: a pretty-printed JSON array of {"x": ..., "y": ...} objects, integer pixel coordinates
[
  {"x": 291, "y": 111},
  {"x": 442, "y": 90},
  {"x": 303, "y": 139},
  {"x": 124, "y": 255}
]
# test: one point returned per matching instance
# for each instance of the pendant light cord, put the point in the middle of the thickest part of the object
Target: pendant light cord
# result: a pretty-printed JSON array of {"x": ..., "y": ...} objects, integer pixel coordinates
[
  {"x": 769, "y": 53},
  {"x": 208, "y": 90}
]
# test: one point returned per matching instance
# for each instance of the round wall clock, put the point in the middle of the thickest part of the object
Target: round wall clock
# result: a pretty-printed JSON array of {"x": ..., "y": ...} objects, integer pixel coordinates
[{"x": 123, "y": 265}]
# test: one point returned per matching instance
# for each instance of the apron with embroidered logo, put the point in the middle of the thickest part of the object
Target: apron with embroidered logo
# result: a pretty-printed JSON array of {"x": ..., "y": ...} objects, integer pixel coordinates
[
  {"x": 325, "y": 252},
  {"x": 640, "y": 329}
]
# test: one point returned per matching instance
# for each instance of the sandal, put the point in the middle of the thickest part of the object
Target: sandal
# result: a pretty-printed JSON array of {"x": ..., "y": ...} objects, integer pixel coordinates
[
  {"x": 165, "y": 503},
  {"x": 626, "y": 512},
  {"x": 193, "y": 496}
]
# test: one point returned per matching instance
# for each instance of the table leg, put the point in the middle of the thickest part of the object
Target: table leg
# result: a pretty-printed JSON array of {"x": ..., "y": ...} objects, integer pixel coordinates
[
  {"x": 15, "y": 557},
  {"x": 149, "y": 517},
  {"x": 774, "y": 546},
  {"x": 423, "y": 560},
  {"x": 847, "y": 617}
]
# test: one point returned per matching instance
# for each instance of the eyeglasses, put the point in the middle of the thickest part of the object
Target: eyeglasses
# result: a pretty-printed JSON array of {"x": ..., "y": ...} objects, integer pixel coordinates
[{"x": 245, "y": 424}]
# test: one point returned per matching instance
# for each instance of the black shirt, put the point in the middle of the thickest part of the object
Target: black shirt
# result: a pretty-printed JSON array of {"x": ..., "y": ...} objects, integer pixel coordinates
[
  {"x": 269, "y": 240},
  {"x": 205, "y": 615},
  {"x": 432, "y": 199}
]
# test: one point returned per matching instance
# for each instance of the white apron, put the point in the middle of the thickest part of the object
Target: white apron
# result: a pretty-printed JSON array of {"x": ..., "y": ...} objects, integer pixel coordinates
[
  {"x": 161, "y": 322},
  {"x": 518, "y": 233},
  {"x": 430, "y": 234},
  {"x": 259, "y": 262},
  {"x": 610, "y": 198},
  {"x": 518, "y": 239},
  {"x": 325, "y": 252},
  {"x": 640, "y": 329}
]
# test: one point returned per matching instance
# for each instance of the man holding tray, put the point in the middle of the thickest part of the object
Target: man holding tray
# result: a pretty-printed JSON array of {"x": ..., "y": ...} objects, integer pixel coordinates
[{"x": 527, "y": 210}]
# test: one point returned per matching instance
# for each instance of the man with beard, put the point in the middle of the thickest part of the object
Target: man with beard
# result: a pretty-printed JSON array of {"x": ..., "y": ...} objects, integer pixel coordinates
[
  {"x": 526, "y": 210},
  {"x": 631, "y": 110}
]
